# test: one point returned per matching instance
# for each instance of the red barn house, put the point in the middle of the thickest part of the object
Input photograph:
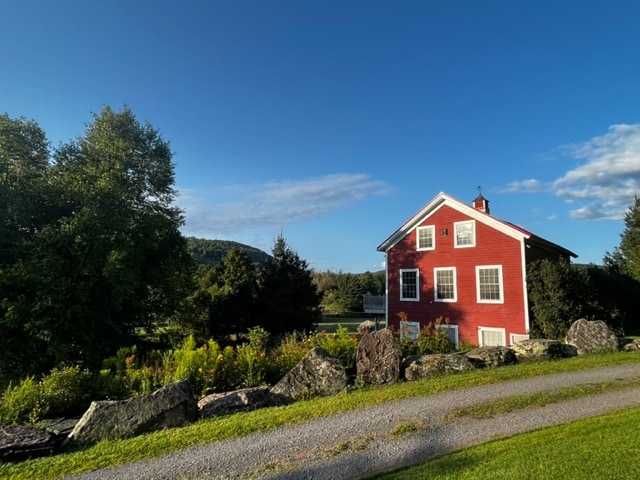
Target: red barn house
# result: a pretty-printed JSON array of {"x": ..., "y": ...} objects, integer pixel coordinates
[{"x": 455, "y": 261}]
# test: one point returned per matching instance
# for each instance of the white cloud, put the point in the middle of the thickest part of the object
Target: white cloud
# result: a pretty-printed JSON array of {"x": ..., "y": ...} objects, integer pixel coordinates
[
  {"x": 531, "y": 185},
  {"x": 606, "y": 182},
  {"x": 273, "y": 204}
]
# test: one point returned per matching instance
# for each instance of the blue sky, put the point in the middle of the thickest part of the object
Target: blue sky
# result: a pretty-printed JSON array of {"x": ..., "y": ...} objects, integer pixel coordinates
[{"x": 333, "y": 122}]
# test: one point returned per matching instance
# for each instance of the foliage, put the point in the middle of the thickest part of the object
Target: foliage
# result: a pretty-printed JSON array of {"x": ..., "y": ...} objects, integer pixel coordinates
[
  {"x": 94, "y": 251},
  {"x": 349, "y": 292},
  {"x": 342, "y": 345},
  {"x": 431, "y": 339},
  {"x": 22, "y": 403},
  {"x": 625, "y": 258},
  {"x": 64, "y": 391},
  {"x": 287, "y": 298},
  {"x": 613, "y": 297},
  {"x": 330, "y": 284},
  {"x": 558, "y": 295}
]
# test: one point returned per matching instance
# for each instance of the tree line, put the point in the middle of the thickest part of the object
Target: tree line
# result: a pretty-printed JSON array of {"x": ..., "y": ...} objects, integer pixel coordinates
[
  {"x": 92, "y": 259},
  {"x": 560, "y": 292}
]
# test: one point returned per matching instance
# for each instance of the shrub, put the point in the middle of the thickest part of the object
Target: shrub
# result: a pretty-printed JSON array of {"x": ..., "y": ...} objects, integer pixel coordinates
[
  {"x": 342, "y": 345},
  {"x": 22, "y": 403},
  {"x": 64, "y": 391},
  {"x": 287, "y": 355},
  {"x": 67, "y": 391}
]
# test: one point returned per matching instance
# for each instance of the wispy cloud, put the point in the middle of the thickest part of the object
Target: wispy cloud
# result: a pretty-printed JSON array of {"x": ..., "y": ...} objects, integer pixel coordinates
[
  {"x": 231, "y": 209},
  {"x": 605, "y": 183}
]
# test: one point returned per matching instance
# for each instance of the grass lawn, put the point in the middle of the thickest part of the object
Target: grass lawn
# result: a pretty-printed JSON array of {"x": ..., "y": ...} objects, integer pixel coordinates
[
  {"x": 603, "y": 447},
  {"x": 330, "y": 323},
  {"x": 163, "y": 442}
]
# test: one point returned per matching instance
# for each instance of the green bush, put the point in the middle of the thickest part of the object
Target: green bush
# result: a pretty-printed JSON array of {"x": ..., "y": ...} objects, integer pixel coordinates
[
  {"x": 287, "y": 355},
  {"x": 64, "y": 391},
  {"x": 431, "y": 340},
  {"x": 342, "y": 345},
  {"x": 67, "y": 391},
  {"x": 22, "y": 403}
]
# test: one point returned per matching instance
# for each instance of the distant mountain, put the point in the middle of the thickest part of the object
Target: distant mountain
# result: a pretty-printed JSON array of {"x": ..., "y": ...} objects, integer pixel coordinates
[{"x": 211, "y": 252}]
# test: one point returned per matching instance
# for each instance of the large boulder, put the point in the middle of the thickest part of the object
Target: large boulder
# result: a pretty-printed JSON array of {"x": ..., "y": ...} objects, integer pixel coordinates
[
  {"x": 631, "y": 345},
  {"x": 378, "y": 358},
  {"x": 171, "y": 406},
  {"x": 19, "y": 442},
  {"x": 416, "y": 367},
  {"x": 244, "y": 400},
  {"x": 317, "y": 374},
  {"x": 483, "y": 357},
  {"x": 592, "y": 336},
  {"x": 538, "y": 349}
]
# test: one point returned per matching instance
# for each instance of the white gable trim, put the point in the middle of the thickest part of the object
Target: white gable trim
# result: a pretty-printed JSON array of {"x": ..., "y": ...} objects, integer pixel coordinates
[{"x": 442, "y": 199}]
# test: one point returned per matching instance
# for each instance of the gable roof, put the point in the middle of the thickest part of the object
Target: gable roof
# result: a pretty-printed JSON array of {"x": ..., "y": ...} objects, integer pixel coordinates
[{"x": 442, "y": 199}]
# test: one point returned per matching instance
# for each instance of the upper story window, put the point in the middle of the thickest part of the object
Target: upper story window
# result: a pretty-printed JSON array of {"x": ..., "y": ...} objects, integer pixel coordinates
[
  {"x": 426, "y": 238},
  {"x": 465, "y": 233},
  {"x": 409, "y": 285},
  {"x": 445, "y": 280},
  {"x": 489, "y": 284}
]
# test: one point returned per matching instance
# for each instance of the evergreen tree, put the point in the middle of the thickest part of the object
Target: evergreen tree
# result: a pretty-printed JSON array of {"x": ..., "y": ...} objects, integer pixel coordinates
[
  {"x": 349, "y": 292},
  {"x": 233, "y": 295},
  {"x": 625, "y": 258},
  {"x": 288, "y": 299}
]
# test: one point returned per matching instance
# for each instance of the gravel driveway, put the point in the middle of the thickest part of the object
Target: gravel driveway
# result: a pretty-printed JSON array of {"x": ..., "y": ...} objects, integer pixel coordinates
[{"x": 360, "y": 443}]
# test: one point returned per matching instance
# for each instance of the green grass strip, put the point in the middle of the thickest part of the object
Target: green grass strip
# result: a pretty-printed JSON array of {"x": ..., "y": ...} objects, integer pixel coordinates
[
  {"x": 155, "y": 444},
  {"x": 602, "y": 447},
  {"x": 540, "y": 399}
]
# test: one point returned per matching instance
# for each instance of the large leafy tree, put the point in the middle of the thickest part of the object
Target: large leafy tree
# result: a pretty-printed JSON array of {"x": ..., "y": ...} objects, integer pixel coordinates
[
  {"x": 288, "y": 299},
  {"x": 27, "y": 204},
  {"x": 109, "y": 258},
  {"x": 625, "y": 258}
]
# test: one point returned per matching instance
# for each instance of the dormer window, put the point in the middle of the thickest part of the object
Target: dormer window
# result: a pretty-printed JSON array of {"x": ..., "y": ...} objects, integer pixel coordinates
[
  {"x": 426, "y": 238},
  {"x": 465, "y": 233}
]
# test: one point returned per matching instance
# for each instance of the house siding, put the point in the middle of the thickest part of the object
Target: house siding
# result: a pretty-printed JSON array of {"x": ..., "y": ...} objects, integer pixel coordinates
[{"x": 492, "y": 247}]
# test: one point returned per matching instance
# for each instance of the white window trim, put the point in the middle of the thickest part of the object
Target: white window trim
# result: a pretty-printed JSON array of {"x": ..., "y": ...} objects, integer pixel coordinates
[
  {"x": 492, "y": 329},
  {"x": 435, "y": 284},
  {"x": 455, "y": 233},
  {"x": 501, "y": 284},
  {"x": 454, "y": 328},
  {"x": 433, "y": 238},
  {"x": 417, "y": 272},
  {"x": 517, "y": 337}
]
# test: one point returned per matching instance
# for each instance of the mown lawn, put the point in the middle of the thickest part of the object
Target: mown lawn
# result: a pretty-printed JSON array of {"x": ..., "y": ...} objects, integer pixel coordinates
[{"x": 603, "y": 447}]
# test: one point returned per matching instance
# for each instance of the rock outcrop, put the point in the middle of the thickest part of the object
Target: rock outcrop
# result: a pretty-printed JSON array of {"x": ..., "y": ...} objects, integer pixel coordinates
[
  {"x": 416, "y": 367},
  {"x": 244, "y": 400},
  {"x": 592, "y": 336},
  {"x": 171, "y": 406},
  {"x": 317, "y": 374},
  {"x": 19, "y": 442},
  {"x": 483, "y": 357},
  {"x": 378, "y": 358},
  {"x": 538, "y": 349}
]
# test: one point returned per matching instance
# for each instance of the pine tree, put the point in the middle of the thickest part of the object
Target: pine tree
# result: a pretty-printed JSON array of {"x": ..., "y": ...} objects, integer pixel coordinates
[
  {"x": 288, "y": 299},
  {"x": 625, "y": 258}
]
